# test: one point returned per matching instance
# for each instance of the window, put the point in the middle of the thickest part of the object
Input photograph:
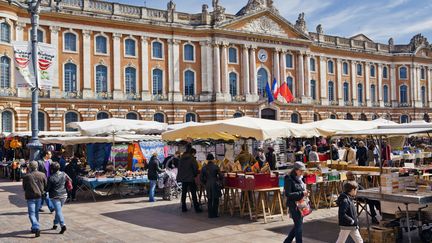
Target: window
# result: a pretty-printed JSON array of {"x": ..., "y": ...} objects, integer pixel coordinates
[
  {"x": 289, "y": 61},
  {"x": 363, "y": 117},
  {"x": 295, "y": 118},
  {"x": 313, "y": 89},
  {"x": 5, "y": 32},
  {"x": 422, "y": 73},
  {"x": 373, "y": 93},
  {"x": 423, "y": 95},
  {"x": 70, "y": 42},
  {"x": 404, "y": 119},
  {"x": 346, "y": 91},
  {"x": 262, "y": 81},
  {"x": 237, "y": 114},
  {"x": 330, "y": 66},
  {"x": 101, "y": 44},
  {"x": 385, "y": 94},
  {"x": 159, "y": 117},
  {"x": 359, "y": 70},
  {"x": 188, "y": 52},
  {"x": 345, "y": 68},
  {"x": 403, "y": 73},
  {"x": 290, "y": 83},
  {"x": 372, "y": 71},
  {"x": 130, "y": 47},
  {"x": 130, "y": 80},
  {"x": 403, "y": 94},
  {"x": 41, "y": 121},
  {"x": 385, "y": 72},
  {"x": 348, "y": 116},
  {"x": 191, "y": 117},
  {"x": 70, "y": 75},
  {"x": 316, "y": 117},
  {"x": 233, "y": 83},
  {"x": 7, "y": 121},
  {"x": 189, "y": 83},
  {"x": 312, "y": 65},
  {"x": 157, "y": 82},
  {"x": 40, "y": 36},
  {"x": 101, "y": 79},
  {"x": 157, "y": 50},
  {"x": 132, "y": 116},
  {"x": 232, "y": 54},
  {"x": 331, "y": 91},
  {"x": 360, "y": 93},
  {"x": 333, "y": 116},
  {"x": 102, "y": 115},
  {"x": 70, "y": 117},
  {"x": 5, "y": 70}
]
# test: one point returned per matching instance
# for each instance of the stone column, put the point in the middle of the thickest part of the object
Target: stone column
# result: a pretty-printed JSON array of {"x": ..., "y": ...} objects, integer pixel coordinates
[
  {"x": 276, "y": 66},
  {"x": 306, "y": 83},
  {"x": 117, "y": 69},
  {"x": 353, "y": 84},
  {"x": 245, "y": 71},
  {"x": 19, "y": 31},
  {"x": 367, "y": 84},
  {"x": 429, "y": 86},
  {"x": 300, "y": 74},
  {"x": 393, "y": 85},
  {"x": 339, "y": 82},
  {"x": 145, "y": 93},
  {"x": 253, "y": 75},
  {"x": 174, "y": 70},
  {"x": 417, "y": 91},
  {"x": 209, "y": 60},
  {"x": 217, "y": 71},
  {"x": 205, "y": 94},
  {"x": 224, "y": 72},
  {"x": 323, "y": 80},
  {"x": 55, "y": 91},
  {"x": 380, "y": 85},
  {"x": 283, "y": 77},
  {"x": 87, "y": 66}
]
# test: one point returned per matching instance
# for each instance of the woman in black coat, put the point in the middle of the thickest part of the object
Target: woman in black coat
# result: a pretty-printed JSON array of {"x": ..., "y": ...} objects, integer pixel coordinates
[
  {"x": 295, "y": 190},
  {"x": 211, "y": 177},
  {"x": 153, "y": 174}
]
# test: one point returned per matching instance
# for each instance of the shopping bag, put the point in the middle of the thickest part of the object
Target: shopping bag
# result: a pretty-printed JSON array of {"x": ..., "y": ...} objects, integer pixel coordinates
[{"x": 304, "y": 206}]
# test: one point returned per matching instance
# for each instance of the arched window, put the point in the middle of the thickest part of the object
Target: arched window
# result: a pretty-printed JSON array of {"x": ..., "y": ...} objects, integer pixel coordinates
[
  {"x": 289, "y": 61},
  {"x": 331, "y": 91},
  {"x": 312, "y": 65},
  {"x": 101, "y": 44},
  {"x": 345, "y": 68},
  {"x": 423, "y": 95},
  {"x": 130, "y": 80},
  {"x": 385, "y": 94},
  {"x": 157, "y": 50},
  {"x": 70, "y": 42},
  {"x": 41, "y": 121},
  {"x": 262, "y": 81},
  {"x": 5, "y": 71},
  {"x": 290, "y": 83},
  {"x": 188, "y": 52},
  {"x": 71, "y": 117},
  {"x": 40, "y": 36},
  {"x": 237, "y": 114},
  {"x": 333, "y": 116},
  {"x": 159, "y": 117},
  {"x": 7, "y": 121},
  {"x": 101, "y": 79},
  {"x": 157, "y": 82},
  {"x": 5, "y": 33},
  {"x": 130, "y": 49},
  {"x": 385, "y": 72},
  {"x": 330, "y": 66},
  {"x": 189, "y": 83},
  {"x": 232, "y": 54},
  {"x": 316, "y": 117},
  {"x": 132, "y": 116},
  {"x": 295, "y": 118},
  {"x": 372, "y": 71},
  {"x": 363, "y": 117},
  {"x": 360, "y": 93},
  {"x": 403, "y": 94},
  {"x": 191, "y": 117},
  {"x": 359, "y": 69},
  {"x": 70, "y": 77},
  {"x": 313, "y": 89},
  {"x": 233, "y": 83},
  {"x": 102, "y": 115},
  {"x": 404, "y": 119},
  {"x": 403, "y": 73},
  {"x": 348, "y": 116},
  {"x": 426, "y": 117},
  {"x": 373, "y": 93},
  {"x": 346, "y": 91}
]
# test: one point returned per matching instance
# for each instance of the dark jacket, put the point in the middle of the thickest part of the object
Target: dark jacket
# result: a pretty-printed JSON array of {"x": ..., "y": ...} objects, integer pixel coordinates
[
  {"x": 361, "y": 156},
  {"x": 334, "y": 153},
  {"x": 171, "y": 162},
  {"x": 154, "y": 168},
  {"x": 293, "y": 191},
  {"x": 73, "y": 170},
  {"x": 41, "y": 166},
  {"x": 34, "y": 185},
  {"x": 211, "y": 178},
  {"x": 271, "y": 159},
  {"x": 245, "y": 158},
  {"x": 187, "y": 168},
  {"x": 347, "y": 211},
  {"x": 57, "y": 185}
]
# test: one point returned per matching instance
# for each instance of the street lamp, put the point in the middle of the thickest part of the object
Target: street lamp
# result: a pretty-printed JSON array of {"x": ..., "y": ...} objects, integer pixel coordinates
[{"x": 34, "y": 9}]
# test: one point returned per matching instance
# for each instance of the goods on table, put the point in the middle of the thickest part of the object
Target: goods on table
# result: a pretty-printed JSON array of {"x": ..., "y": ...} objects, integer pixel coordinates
[
  {"x": 389, "y": 182},
  {"x": 379, "y": 234}
]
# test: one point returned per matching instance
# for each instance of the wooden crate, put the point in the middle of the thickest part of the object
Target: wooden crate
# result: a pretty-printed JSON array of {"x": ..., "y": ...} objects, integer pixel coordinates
[{"x": 379, "y": 234}]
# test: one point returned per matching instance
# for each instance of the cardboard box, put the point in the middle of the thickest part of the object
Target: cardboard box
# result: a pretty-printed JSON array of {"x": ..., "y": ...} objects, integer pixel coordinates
[{"x": 379, "y": 234}]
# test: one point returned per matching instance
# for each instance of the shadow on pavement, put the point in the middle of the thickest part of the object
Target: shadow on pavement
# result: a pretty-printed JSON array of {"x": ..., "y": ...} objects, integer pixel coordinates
[
  {"x": 13, "y": 213},
  {"x": 23, "y": 234}
]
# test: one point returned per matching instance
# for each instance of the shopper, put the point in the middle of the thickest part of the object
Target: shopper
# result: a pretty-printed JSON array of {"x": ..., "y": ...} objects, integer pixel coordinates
[
  {"x": 172, "y": 161},
  {"x": 271, "y": 158},
  {"x": 34, "y": 184},
  {"x": 348, "y": 220},
  {"x": 153, "y": 175},
  {"x": 260, "y": 158},
  {"x": 313, "y": 154},
  {"x": 45, "y": 167},
  {"x": 350, "y": 154},
  {"x": 334, "y": 152},
  {"x": 245, "y": 158},
  {"x": 57, "y": 193},
  {"x": 295, "y": 190},
  {"x": 187, "y": 171},
  {"x": 361, "y": 154},
  {"x": 212, "y": 179},
  {"x": 73, "y": 170},
  {"x": 371, "y": 155}
]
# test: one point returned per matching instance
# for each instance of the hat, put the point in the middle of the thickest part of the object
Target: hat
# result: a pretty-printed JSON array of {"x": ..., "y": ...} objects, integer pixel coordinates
[
  {"x": 210, "y": 156},
  {"x": 299, "y": 166}
]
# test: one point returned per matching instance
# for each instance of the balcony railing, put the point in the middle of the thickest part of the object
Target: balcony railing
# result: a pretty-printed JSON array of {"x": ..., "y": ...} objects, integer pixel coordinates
[
  {"x": 348, "y": 103},
  {"x": 44, "y": 93},
  {"x": 104, "y": 96},
  {"x": 191, "y": 98},
  {"x": 133, "y": 96},
  {"x": 72, "y": 95},
  {"x": 316, "y": 102},
  {"x": 404, "y": 105},
  {"x": 361, "y": 104},
  {"x": 387, "y": 104},
  {"x": 8, "y": 92},
  {"x": 238, "y": 98},
  {"x": 375, "y": 104},
  {"x": 333, "y": 102},
  {"x": 159, "y": 97}
]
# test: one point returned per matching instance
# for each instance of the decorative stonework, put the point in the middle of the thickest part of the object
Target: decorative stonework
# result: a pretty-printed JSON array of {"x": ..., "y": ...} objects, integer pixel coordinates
[
  {"x": 264, "y": 25},
  {"x": 417, "y": 41}
]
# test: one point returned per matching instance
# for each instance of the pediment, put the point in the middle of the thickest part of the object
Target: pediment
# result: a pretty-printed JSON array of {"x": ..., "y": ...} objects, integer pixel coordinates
[{"x": 361, "y": 37}]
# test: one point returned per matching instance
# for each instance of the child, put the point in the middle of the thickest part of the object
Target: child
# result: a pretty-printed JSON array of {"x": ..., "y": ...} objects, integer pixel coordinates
[{"x": 348, "y": 220}]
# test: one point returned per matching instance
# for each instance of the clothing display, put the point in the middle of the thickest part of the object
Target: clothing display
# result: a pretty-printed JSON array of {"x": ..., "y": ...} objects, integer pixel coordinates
[
  {"x": 119, "y": 156},
  {"x": 97, "y": 155}
]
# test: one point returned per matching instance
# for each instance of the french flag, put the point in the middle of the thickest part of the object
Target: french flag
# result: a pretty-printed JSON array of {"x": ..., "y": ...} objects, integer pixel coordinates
[{"x": 275, "y": 89}]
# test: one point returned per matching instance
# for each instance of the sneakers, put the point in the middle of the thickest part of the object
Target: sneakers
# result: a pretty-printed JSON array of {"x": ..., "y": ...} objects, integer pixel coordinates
[
  {"x": 63, "y": 229},
  {"x": 37, "y": 233},
  {"x": 41, "y": 210},
  {"x": 54, "y": 227}
]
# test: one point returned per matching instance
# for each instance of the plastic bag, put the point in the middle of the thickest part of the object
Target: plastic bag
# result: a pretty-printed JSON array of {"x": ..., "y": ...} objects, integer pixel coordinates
[{"x": 304, "y": 207}]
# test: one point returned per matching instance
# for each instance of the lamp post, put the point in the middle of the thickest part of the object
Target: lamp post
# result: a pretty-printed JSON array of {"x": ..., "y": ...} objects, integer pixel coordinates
[{"x": 34, "y": 9}]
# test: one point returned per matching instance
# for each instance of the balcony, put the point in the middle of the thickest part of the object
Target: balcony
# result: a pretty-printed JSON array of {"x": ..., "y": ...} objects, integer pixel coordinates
[
  {"x": 104, "y": 96},
  {"x": 72, "y": 95},
  {"x": 316, "y": 102},
  {"x": 387, "y": 104},
  {"x": 375, "y": 104},
  {"x": 404, "y": 105},
  {"x": 4, "y": 92},
  {"x": 333, "y": 102},
  {"x": 238, "y": 98},
  {"x": 44, "y": 93},
  {"x": 133, "y": 96},
  {"x": 361, "y": 104},
  {"x": 191, "y": 98},
  {"x": 159, "y": 97},
  {"x": 348, "y": 103}
]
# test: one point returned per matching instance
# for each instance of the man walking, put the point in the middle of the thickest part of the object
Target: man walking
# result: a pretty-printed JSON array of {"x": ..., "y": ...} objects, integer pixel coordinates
[
  {"x": 44, "y": 166},
  {"x": 187, "y": 171},
  {"x": 34, "y": 184}
]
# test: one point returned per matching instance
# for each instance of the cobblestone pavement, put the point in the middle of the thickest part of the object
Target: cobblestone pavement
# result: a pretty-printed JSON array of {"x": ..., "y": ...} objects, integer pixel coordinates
[{"x": 117, "y": 219}]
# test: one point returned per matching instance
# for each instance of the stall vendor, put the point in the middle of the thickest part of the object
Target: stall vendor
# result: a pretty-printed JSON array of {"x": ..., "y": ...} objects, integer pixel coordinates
[
  {"x": 245, "y": 158},
  {"x": 350, "y": 154},
  {"x": 261, "y": 158}
]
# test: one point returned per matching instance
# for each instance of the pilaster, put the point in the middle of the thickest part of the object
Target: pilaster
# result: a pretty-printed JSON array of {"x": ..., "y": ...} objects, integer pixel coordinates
[
  {"x": 87, "y": 67},
  {"x": 145, "y": 92}
]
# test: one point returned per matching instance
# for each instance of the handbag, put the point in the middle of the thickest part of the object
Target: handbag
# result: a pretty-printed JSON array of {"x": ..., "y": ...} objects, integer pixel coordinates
[
  {"x": 69, "y": 185},
  {"x": 304, "y": 206}
]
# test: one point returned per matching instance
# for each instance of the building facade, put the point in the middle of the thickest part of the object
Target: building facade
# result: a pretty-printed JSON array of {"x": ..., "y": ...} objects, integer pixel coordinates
[{"x": 134, "y": 62}]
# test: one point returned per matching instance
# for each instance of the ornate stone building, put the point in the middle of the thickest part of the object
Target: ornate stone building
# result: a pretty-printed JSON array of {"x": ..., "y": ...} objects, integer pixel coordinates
[{"x": 118, "y": 60}]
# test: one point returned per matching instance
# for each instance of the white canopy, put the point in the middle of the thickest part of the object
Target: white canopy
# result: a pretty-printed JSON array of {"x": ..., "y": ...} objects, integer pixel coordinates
[
  {"x": 330, "y": 127},
  {"x": 109, "y": 139},
  {"x": 44, "y": 134},
  {"x": 386, "y": 132},
  {"x": 116, "y": 125},
  {"x": 182, "y": 125}
]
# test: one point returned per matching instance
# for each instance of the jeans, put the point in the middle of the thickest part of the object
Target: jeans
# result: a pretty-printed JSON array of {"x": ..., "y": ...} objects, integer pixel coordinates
[
  {"x": 152, "y": 190},
  {"x": 48, "y": 202},
  {"x": 297, "y": 231},
  {"x": 33, "y": 206},
  {"x": 58, "y": 204},
  {"x": 193, "y": 188},
  {"x": 355, "y": 235}
]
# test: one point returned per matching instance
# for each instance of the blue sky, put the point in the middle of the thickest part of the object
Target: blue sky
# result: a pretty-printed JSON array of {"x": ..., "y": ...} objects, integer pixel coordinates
[{"x": 378, "y": 19}]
